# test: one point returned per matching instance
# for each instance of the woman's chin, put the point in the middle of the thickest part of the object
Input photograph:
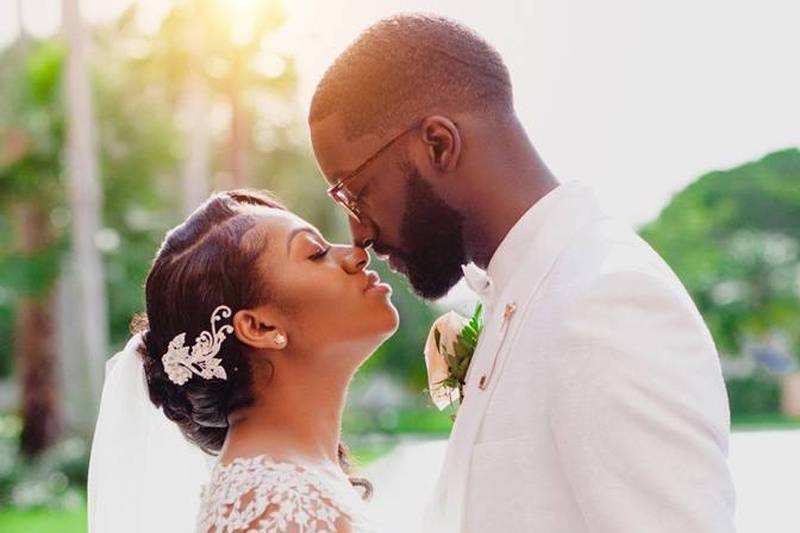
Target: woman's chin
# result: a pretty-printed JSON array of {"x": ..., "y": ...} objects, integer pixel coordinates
[
  {"x": 388, "y": 326},
  {"x": 388, "y": 315},
  {"x": 375, "y": 326},
  {"x": 393, "y": 320}
]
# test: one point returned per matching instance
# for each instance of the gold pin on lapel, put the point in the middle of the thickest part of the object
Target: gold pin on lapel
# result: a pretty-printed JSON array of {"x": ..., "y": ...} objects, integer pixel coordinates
[{"x": 507, "y": 314}]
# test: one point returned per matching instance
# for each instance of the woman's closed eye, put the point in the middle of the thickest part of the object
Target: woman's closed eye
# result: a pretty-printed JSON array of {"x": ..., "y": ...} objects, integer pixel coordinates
[{"x": 322, "y": 251}]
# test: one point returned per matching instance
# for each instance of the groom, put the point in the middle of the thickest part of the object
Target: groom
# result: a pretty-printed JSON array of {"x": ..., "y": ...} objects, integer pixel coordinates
[{"x": 594, "y": 401}]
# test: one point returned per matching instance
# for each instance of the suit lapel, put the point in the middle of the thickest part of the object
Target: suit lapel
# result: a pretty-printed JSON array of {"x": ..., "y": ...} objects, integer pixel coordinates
[{"x": 500, "y": 329}]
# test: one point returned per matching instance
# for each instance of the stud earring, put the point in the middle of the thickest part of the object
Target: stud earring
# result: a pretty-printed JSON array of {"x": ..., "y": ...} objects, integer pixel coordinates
[{"x": 280, "y": 340}]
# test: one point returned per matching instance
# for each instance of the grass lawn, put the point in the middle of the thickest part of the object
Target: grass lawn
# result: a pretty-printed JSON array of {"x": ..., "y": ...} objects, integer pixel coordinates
[
  {"x": 765, "y": 422},
  {"x": 43, "y": 521},
  {"x": 430, "y": 423}
]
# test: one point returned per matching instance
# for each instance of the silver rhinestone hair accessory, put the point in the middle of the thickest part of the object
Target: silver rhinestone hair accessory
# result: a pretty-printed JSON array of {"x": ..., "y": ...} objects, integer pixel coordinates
[{"x": 180, "y": 364}]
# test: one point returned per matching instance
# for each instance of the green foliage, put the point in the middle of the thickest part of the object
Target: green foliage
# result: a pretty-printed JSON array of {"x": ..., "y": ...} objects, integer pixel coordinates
[
  {"x": 421, "y": 421},
  {"x": 755, "y": 395},
  {"x": 764, "y": 422},
  {"x": 31, "y": 142},
  {"x": 138, "y": 81},
  {"x": 469, "y": 336},
  {"x": 31, "y": 125},
  {"x": 54, "y": 481},
  {"x": 733, "y": 237},
  {"x": 43, "y": 75}
]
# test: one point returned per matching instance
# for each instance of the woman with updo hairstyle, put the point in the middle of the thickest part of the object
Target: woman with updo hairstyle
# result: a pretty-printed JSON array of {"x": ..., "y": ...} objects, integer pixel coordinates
[{"x": 254, "y": 327}]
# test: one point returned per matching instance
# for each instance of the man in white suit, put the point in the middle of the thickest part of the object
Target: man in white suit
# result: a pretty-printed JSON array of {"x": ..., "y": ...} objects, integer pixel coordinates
[{"x": 594, "y": 401}]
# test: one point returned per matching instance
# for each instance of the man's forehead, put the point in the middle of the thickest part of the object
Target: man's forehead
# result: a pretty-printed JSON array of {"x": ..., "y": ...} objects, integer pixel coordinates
[{"x": 336, "y": 154}]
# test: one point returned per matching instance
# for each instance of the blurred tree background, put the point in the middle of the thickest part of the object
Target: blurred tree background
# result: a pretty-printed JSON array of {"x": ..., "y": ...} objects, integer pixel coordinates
[
  {"x": 733, "y": 238},
  {"x": 202, "y": 103},
  {"x": 205, "y": 102}
]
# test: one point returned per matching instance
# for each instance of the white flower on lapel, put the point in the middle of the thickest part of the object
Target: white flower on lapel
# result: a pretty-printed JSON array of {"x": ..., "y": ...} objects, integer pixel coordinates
[
  {"x": 445, "y": 330},
  {"x": 448, "y": 352}
]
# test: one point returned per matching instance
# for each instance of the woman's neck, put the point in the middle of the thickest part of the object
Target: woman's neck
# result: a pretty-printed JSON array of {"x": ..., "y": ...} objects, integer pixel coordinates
[{"x": 291, "y": 419}]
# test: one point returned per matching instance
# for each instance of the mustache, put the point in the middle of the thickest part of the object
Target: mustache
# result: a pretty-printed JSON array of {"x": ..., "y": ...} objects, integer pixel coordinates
[{"x": 382, "y": 249}]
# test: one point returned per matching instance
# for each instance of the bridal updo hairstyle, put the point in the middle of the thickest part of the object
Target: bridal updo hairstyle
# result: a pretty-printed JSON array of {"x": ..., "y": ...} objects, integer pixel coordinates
[{"x": 204, "y": 263}]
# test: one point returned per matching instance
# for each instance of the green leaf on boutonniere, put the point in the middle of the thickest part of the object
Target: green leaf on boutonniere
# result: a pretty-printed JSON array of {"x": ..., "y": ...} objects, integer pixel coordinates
[
  {"x": 461, "y": 349},
  {"x": 476, "y": 322},
  {"x": 459, "y": 356}
]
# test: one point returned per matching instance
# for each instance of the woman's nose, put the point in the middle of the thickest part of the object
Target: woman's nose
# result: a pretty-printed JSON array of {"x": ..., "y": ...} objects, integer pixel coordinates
[{"x": 356, "y": 260}]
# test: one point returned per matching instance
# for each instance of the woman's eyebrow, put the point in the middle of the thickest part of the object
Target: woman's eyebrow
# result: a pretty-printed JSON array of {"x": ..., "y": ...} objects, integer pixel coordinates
[{"x": 297, "y": 231}]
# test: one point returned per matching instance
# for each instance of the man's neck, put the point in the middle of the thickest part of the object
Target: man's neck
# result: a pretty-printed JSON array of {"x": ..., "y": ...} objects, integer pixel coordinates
[{"x": 513, "y": 188}]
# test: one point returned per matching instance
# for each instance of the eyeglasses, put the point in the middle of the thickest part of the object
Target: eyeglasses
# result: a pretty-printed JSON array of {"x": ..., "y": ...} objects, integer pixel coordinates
[{"x": 347, "y": 199}]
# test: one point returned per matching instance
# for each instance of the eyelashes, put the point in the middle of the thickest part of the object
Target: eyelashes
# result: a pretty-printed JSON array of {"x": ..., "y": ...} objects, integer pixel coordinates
[{"x": 319, "y": 255}]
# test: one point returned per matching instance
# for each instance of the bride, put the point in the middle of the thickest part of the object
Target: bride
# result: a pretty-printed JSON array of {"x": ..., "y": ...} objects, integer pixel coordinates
[{"x": 255, "y": 326}]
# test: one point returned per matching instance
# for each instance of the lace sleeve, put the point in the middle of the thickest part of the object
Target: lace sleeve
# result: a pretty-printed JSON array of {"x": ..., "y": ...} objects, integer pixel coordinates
[{"x": 263, "y": 497}]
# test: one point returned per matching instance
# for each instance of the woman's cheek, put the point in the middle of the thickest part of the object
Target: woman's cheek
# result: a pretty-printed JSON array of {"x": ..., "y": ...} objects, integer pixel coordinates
[{"x": 331, "y": 294}]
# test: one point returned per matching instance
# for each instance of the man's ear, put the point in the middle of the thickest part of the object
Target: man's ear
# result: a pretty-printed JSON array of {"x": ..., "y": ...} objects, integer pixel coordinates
[
  {"x": 443, "y": 142},
  {"x": 258, "y": 328}
]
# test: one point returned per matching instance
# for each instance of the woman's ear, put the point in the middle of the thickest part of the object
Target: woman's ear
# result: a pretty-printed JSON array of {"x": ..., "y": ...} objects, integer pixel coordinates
[{"x": 256, "y": 328}]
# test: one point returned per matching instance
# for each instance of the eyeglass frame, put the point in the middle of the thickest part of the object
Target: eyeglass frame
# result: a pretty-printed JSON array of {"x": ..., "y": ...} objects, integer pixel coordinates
[{"x": 349, "y": 201}]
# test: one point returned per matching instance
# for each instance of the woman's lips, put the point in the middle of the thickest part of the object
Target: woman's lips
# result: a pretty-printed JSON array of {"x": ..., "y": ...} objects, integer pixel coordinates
[{"x": 374, "y": 284}]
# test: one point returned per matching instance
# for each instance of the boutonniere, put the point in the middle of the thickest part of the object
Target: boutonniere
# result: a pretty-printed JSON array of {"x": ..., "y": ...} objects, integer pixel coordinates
[{"x": 448, "y": 352}]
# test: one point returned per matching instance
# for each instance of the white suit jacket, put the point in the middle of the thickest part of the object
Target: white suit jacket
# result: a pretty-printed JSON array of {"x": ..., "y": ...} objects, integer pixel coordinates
[{"x": 594, "y": 401}]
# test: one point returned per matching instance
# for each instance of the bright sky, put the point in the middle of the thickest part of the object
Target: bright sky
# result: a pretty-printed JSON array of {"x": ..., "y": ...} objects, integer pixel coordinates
[{"x": 636, "y": 98}]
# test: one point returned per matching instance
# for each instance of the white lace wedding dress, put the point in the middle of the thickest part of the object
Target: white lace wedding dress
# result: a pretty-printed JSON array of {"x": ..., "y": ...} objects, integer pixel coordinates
[{"x": 260, "y": 495}]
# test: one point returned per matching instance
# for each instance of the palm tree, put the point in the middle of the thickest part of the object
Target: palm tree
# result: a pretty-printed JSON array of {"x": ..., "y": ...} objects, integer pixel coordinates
[
  {"x": 85, "y": 200},
  {"x": 211, "y": 53}
]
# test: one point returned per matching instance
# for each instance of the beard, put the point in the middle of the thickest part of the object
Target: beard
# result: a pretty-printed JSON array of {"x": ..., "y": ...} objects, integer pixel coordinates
[{"x": 432, "y": 239}]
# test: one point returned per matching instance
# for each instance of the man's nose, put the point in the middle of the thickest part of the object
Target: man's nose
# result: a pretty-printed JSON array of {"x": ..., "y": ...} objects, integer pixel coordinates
[
  {"x": 363, "y": 233},
  {"x": 356, "y": 260}
]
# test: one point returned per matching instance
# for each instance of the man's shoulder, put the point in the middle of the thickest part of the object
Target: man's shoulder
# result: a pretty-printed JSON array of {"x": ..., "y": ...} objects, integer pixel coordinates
[
  {"x": 606, "y": 258},
  {"x": 609, "y": 250}
]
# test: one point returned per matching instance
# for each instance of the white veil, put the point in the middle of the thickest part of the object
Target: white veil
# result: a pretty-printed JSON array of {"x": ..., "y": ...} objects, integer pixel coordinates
[{"x": 143, "y": 475}]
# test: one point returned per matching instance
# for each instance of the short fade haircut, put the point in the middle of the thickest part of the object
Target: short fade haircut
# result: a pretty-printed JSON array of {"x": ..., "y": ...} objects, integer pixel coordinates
[{"x": 409, "y": 66}]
